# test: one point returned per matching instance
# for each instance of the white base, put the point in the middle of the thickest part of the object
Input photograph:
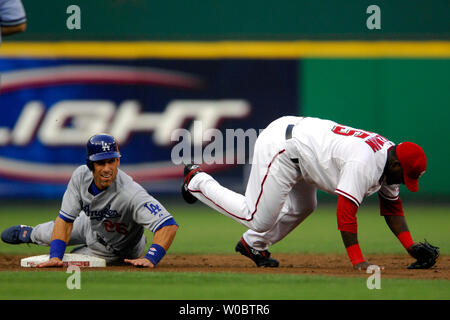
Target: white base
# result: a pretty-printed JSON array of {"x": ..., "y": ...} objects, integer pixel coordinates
[{"x": 69, "y": 259}]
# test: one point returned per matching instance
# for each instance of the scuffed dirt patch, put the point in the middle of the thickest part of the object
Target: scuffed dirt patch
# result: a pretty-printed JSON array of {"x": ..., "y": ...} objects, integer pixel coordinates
[{"x": 307, "y": 264}]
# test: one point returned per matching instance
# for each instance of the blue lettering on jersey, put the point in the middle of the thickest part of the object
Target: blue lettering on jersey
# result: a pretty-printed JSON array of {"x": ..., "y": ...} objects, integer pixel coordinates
[
  {"x": 153, "y": 208},
  {"x": 101, "y": 214}
]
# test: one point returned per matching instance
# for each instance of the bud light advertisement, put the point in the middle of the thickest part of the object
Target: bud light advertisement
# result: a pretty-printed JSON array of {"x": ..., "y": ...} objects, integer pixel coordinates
[{"x": 162, "y": 113}]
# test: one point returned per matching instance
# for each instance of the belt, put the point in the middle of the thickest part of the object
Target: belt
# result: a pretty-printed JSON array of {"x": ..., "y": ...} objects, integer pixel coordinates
[
  {"x": 289, "y": 131},
  {"x": 107, "y": 246},
  {"x": 289, "y": 136}
]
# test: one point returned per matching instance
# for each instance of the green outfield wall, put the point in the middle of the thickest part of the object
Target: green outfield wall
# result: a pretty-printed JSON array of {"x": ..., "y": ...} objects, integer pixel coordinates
[
  {"x": 237, "y": 19},
  {"x": 403, "y": 100}
]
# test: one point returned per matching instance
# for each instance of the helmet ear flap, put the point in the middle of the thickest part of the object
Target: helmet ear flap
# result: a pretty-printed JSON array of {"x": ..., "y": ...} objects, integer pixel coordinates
[{"x": 90, "y": 164}]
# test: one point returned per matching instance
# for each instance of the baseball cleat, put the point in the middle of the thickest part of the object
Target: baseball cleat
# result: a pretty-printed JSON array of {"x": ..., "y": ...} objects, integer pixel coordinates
[
  {"x": 261, "y": 258},
  {"x": 17, "y": 234},
  {"x": 190, "y": 170}
]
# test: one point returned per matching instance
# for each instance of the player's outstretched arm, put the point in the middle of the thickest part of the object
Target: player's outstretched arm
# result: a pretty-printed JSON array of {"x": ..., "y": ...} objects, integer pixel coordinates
[
  {"x": 354, "y": 252},
  {"x": 425, "y": 253},
  {"x": 392, "y": 210},
  {"x": 162, "y": 241},
  {"x": 350, "y": 240},
  {"x": 164, "y": 236},
  {"x": 399, "y": 228},
  {"x": 60, "y": 237},
  {"x": 347, "y": 224}
]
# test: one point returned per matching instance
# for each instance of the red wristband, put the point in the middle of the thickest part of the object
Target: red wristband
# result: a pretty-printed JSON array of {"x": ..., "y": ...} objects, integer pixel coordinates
[
  {"x": 355, "y": 254},
  {"x": 406, "y": 239}
]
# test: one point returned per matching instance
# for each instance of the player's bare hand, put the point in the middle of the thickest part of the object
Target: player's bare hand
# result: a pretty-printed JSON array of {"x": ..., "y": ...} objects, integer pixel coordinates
[
  {"x": 140, "y": 262},
  {"x": 52, "y": 263},
  {"x": 364, "y": 265}
]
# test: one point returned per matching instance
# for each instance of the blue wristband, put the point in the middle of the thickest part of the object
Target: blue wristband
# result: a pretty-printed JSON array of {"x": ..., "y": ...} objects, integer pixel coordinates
[
  {"x": 155, "y": 254},
  {"x": 57, "y": 249}
]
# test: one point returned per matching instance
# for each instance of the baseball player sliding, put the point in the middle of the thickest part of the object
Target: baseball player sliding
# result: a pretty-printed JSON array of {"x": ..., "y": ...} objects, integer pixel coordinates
[
  {"x": 104, "y": 212},
  {"x": 295, "y": 156}
]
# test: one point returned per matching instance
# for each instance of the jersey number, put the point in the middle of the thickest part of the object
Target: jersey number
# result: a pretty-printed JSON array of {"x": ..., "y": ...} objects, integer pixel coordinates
[
  {"x": 376, "y": 142},
  {"x": 115, "y": 227}
]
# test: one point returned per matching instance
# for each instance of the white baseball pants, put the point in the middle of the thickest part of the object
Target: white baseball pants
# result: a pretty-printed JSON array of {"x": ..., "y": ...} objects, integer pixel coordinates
[{"x": 276, "y": 198}]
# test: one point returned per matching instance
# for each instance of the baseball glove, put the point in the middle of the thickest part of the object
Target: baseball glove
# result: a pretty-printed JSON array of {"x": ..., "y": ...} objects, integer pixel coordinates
[{"x": 425, "y": 253}]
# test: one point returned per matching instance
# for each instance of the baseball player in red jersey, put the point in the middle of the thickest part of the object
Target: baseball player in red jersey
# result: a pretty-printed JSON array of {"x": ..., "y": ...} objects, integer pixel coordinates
[{"x": 295, "y": 156}]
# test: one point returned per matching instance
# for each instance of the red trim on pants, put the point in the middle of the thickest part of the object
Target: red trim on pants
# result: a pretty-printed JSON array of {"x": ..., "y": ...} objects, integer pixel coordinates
[{"x": 259, "y": 196}]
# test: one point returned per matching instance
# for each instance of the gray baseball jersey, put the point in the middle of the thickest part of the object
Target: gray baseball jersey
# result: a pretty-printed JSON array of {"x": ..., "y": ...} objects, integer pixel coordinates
[
  {"x": 12, "y": 13},
  {"x": 119, "y": 214}
]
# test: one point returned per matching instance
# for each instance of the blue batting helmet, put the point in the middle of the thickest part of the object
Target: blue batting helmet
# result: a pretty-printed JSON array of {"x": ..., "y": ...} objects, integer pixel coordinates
[{"x": 100, "y": 147}]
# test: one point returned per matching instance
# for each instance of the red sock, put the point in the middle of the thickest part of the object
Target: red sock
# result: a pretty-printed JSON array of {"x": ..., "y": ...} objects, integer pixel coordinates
[
  {"x": 406, "y": 239},
  {"x": 355, "y": 254}
]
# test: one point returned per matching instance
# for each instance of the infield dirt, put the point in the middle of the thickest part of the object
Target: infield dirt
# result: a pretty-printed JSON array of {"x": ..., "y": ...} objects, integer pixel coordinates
[{"x": 395, "y": 266}]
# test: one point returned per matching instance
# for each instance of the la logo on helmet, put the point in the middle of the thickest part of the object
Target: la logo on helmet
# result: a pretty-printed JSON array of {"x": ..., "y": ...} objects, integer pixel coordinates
[{"x": 106, "y": 146}]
